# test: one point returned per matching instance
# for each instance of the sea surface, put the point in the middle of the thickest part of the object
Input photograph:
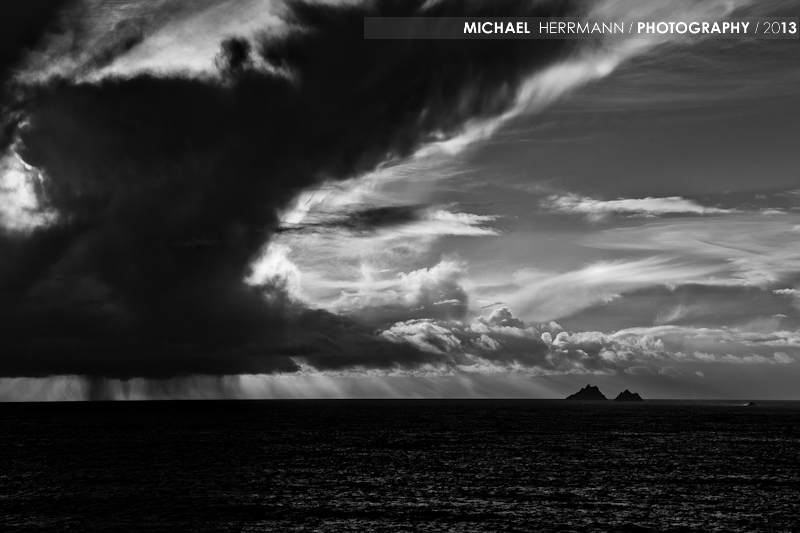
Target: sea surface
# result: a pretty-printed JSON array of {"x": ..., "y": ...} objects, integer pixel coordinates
[{"x": 405, "y": 465}]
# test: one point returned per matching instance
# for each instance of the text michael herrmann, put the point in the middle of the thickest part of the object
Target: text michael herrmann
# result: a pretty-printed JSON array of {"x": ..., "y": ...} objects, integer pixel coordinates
[{"x": 549, "y": 27}]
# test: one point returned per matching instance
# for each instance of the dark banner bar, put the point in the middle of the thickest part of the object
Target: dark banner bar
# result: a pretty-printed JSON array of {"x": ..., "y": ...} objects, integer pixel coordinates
[{"x": 575, "y": 28}]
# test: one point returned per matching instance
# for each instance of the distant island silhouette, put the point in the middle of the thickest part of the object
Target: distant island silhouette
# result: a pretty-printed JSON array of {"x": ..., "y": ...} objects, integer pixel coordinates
[
  {"x": 587, "y": 393},
  {"x": 628, "y": 396}
]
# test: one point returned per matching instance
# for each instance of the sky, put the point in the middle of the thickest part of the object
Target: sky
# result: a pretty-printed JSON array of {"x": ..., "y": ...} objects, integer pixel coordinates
[{"x": 222, "y": 199}]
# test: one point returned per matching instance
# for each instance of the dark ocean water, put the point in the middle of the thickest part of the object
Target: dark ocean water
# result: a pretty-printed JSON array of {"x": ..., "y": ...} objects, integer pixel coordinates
[{"x": 471, "y": 465}]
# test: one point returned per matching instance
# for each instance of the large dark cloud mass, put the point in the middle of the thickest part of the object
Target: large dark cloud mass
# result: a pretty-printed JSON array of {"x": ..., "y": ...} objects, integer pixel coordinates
[{"x": 166, "y": 188}]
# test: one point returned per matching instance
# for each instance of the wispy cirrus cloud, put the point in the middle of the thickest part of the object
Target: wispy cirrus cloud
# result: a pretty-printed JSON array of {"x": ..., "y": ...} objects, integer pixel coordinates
[
  {"x": 681, "y": 312},
  {"x": 746, "y": 250},
  {"x": 741, "y": 251},
  {"x": 350, "y": 248},
  {"x": 541, "y": 295},
  {"x": 596, "y": 210},
  {"x": 589, "y": 64},
  {"x": 343, "y": 259}
]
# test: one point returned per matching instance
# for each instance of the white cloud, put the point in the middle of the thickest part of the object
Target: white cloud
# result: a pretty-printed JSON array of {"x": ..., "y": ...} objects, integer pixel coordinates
[
  {"x": 438, "y": 222},
  {"x": 425, "y": 334},
  {"x": 19, "y": 206},
  {"x": 177, "y": 37},
  {"x": 596, "y": 210},
  {"x": 274, "y": 266},
  {"x": 416, "y": 290},
  {"x": 794, "y": 293}
]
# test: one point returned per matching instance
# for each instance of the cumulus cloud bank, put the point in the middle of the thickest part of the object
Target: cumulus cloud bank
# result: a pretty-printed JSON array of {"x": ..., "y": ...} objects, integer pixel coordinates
[{"x": 501, "y": 342}]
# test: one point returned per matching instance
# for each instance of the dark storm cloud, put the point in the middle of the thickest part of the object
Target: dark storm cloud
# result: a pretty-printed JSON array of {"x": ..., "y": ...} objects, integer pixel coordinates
[
  {"x": 22, "y": 25},
  {"x": 167, "y": 187}
]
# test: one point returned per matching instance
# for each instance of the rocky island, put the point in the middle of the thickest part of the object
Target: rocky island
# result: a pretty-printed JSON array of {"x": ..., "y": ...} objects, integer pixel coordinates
[
  {"x": 587, "y": 393},
  {"x": 628, "y": 396}
]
